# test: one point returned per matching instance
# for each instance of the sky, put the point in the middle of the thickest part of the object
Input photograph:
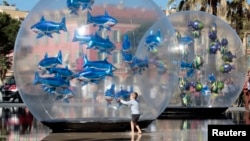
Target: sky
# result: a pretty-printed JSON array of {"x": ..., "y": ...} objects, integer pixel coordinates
[{"x": 27, "y": 5}]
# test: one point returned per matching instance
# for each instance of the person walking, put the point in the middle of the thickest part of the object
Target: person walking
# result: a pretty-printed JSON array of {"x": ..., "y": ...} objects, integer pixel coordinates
[{"x": 135, "y": 111}]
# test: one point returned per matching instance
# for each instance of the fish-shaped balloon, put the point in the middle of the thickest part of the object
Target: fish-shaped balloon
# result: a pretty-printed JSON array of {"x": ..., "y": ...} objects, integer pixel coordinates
[
  {"x": 226, "y": 68},
  {"x": 212, "y": 34},
  {"x": 126, "y": 45},
  {"x": 64, "y": 94},
  {"x": 47, "y": 28},
  {"x": 100, "y": 64},
  {"x": 51, "y": 81},
  {"x": 103, "y": 21},
  {"x": 101, "y": 44},
  {"x": 127, "y": 57},
  {"x": 110, "y": 94},
  {"x": 82, "y": 39},
  {"x": 214, "y": 47},
  {"x": 228, "y": 56},
  {"x": 91, "y": 75},
  {"x": 75, "y": 5},
  {"x": 48, "y": 62},
  {"x": 138, "y": 65},
  {"x": 123, "y": 93},
  {"x": 60, "y": 71},
  {"x": 196, "y": 26},
  {"x": 152, "y": 41},
  {"x": 198, "y": 62},
  {"x": 216, "y": 86}
]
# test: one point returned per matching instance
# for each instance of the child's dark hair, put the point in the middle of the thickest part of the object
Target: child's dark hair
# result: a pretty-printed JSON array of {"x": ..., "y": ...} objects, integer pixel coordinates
[{"x": 136, "y": 95}]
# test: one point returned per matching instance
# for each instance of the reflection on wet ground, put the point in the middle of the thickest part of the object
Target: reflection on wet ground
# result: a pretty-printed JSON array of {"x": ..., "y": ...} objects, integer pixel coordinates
[{"x": 18, "y": 124}]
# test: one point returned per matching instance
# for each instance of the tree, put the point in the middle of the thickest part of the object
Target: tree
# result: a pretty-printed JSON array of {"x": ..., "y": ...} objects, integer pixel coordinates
[
  {"x": 5, "y": 3},
  {"x": 8, "y": 31}
]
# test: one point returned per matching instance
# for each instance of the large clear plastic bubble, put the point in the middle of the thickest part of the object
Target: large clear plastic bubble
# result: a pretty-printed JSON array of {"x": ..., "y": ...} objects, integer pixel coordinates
[
  {"x": 212, "y": 61},
  {"x": 73, "y": 59}
]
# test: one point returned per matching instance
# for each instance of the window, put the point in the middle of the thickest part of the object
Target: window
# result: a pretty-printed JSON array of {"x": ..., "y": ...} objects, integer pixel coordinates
[
  {"x": 115, "y": 57},
  {"x": 116, "y": 36}
]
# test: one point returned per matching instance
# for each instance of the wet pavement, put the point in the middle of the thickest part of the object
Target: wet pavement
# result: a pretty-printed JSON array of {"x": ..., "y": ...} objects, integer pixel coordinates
[{"x": 18, "y": 124}]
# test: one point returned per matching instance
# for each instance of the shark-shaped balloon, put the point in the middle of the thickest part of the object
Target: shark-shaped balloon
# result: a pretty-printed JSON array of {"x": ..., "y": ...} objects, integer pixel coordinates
[
  {"x": 55, "y": 81},
  {"x": 48, "y": 62},
  {"x": 75, "y": 5},
  {"x": 103, "y": 21},
  {"x": 64, "y": 94},
  {"x": 82, "y": 39},
  {"x": 152, "y": 41},
  {"x": 60, "y": 93},
  {"x": 110, "y": 94},
  {"x": 124, "y": 94},
  {"x": 101, "y": 44},
  {"x": 138, "y": 65},
  {"x": 126, "y": 45},
  {"x": 47, "y": 28},
  {"x": 91, "y": 75},
  {"x": 127, "y": 57},
  {"x": 62, "y": 72},
  {"x": 102, "y": 65}
]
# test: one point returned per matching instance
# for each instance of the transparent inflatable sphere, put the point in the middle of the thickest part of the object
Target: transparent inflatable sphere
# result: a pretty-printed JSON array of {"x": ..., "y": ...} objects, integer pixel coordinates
[
  {"x": 212, "y": 61},
  {"x": 74, "y": 60}
]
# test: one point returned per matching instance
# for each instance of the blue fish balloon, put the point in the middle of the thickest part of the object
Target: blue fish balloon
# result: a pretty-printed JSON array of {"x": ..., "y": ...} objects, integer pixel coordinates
[
  {"x": 82, "y": 39},
  {"x": 228, "y": 56},
  {"x": 214, "y": 47},
  {"x": 124, "y": 94},
  {"x": 226, "y": 68},
  {"x": 64, "y": 94},
  {"x": 127, "y": 57},
  {"x": 110, "y": 94},
  {"x": 48, "y": 89},
  {"x": 75, "y": 5},
  {"x": 196, "y": 26},
  {"x": 47, "y": 28},
  {"x": 102, "y": 65},
  {"x": 185, "y": 40},
  {"x": 211, "y": 78},
  {"x": 212, "y": 34},
  {"x": 101, "y": 44},
  {"x": 152, "y": 41},
  {"x": 103, "y": 21},
  {"x": 126, "y": 45},
  {"x": 91, "y": 75},
  {"x": 48, "y": 62},
  {"x": 62, "y": 72},
  {"x": 138, "y": 65},
  {"x": 51, "y": 81}
]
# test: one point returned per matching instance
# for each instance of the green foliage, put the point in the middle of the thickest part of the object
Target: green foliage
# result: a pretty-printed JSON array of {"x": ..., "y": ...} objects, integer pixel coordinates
[{"x": 8, "y": 31}]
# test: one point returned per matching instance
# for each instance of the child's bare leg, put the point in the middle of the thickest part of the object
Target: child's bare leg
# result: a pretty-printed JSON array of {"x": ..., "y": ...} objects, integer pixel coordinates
[
  {"x": 132, "y": 127},
  {"x": 138, "y": 129}
]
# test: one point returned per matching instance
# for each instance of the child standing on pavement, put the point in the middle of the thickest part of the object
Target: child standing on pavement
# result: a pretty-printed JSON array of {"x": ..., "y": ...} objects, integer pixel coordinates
[{"x": 135, "y": 111}]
